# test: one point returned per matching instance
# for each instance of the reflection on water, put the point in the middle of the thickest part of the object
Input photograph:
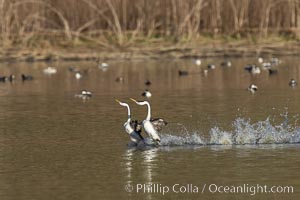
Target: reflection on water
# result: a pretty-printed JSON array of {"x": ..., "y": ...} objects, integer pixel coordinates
[
  {"x": 216, "y": 164},
  {"x": 147, "y": 165},
  {"x": 54, "y": 145},
  {"x": 149, "y": 161}
]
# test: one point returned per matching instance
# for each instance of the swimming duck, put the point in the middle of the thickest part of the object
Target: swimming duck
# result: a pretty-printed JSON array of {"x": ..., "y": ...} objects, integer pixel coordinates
[
  {"x": 252, "y": 88},
  {"x": 50, "y": 70},
  {"x": 103, "y": 65},
  {"x": 211, "y": 66},
  {"x": 26, "y": 77},
  {"x": 266, "y": 65},
  {"x": 10, "y": 78},
  {"x": 226, "y": 64},
  {"x": 84, "y": 94},
  {"x": 3, "y": 78},
  {"x": 293, "y": 83},
  {"x": 272, "y": 71},
  {"x": 147, "y": 83},
  {"x": 198, "y": 62},
  {"x": 253, "y": 69},
  {"x": 183, "y": 73},
  {"x": 147, "y": 93},
  {"x": 275, "y": 61},
  {"x": 120, "y": 79},
  {"x": 78, "y": 75}
]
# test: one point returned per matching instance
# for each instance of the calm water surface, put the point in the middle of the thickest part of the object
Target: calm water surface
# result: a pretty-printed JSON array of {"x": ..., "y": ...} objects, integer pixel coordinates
[{"x": 56, "y": 146}]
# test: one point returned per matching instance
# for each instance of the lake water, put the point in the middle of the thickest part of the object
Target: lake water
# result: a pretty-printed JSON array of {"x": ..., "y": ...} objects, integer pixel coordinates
[{"x": 56, "y": 146}]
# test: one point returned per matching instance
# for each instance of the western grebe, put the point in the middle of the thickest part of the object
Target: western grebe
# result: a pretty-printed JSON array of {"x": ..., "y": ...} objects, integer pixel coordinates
[
  {"x": 147, "y": 124},
  {"x": 252, "y": 88},
  {"x": 131, "y": 127}
]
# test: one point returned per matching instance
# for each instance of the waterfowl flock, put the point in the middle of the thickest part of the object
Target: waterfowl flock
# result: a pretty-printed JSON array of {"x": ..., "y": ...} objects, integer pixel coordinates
[
  {"x": 77, "y": 74},
  {"x": 152, "y": 126},
  {"x": 255, "y": 69}
]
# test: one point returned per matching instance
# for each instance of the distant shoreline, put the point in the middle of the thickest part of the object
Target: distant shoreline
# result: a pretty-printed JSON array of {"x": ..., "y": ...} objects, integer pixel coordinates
[{"x": 291, "y": 48}]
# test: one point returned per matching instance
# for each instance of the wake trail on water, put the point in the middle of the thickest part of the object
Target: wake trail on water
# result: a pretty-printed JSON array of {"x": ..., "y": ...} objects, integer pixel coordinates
[{"x": 243, "y": 132}]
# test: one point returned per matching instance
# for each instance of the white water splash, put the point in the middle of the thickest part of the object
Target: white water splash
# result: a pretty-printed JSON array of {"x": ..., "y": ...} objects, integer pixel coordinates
[
  {"x": 220, "y": 137},
  {"x": 188, "y": 139},
  {"x": 244, "y": 132}
]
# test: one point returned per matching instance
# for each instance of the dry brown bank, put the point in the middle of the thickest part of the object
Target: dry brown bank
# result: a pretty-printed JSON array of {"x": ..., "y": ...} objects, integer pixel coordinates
[{"x": 152, "y": 51}]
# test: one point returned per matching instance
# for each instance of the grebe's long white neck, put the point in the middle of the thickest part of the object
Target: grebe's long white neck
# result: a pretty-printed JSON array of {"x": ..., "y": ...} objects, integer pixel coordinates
[
  {"x": 128, "y": 109},
  {"x": 149, "y": 111},
  {"x": 147, "y": 124},
  {"x": 141, "y": 103},
  {"x": 128, "y": 113}
]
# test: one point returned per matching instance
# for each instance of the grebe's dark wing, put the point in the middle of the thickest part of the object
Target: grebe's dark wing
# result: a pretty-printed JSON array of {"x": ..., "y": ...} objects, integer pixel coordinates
[
  {"x": 158, "y": 123},
  {"x": 137, "y": 127}
]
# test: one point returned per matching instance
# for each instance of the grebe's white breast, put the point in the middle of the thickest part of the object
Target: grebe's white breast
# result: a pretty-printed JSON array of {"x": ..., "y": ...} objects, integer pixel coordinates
[
  {"x": 150, "y": 130},
  {"x": 134, "y": 136}
]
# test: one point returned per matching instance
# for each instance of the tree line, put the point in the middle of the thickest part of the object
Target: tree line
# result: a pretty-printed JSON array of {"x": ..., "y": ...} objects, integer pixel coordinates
[{"x": 122, "y": 21}]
